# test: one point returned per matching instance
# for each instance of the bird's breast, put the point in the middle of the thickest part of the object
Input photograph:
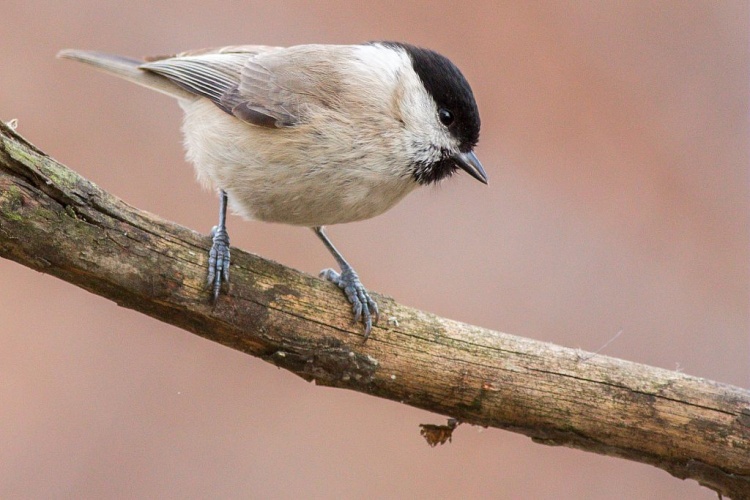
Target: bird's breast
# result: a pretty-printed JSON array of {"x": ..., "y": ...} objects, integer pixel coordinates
[{"x": 301, "y": 176}]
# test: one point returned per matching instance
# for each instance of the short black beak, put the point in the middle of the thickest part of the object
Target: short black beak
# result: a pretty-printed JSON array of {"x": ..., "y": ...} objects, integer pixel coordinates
[{"x": 470, "y": 163}]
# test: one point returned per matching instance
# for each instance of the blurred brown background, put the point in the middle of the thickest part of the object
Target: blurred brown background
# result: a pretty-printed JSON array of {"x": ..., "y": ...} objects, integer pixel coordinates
[{"x": 615, "y": 135}]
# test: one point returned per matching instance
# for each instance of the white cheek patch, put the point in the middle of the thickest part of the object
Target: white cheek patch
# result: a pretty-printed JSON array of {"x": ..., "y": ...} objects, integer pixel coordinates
[
  {"x": 393, "y": 68},
  {"x": 431, "y": 138}
]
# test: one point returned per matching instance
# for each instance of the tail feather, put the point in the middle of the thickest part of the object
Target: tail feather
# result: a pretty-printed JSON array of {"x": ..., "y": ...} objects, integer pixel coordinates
[{"x": 127, "y": 68}]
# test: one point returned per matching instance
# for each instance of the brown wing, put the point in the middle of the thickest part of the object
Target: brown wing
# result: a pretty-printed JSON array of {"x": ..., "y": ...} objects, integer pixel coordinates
[{"x": 265, "y": 86}]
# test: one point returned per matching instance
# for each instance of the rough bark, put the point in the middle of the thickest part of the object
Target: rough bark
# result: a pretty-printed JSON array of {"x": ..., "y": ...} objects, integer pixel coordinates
[{"x": 56, "y": 222}]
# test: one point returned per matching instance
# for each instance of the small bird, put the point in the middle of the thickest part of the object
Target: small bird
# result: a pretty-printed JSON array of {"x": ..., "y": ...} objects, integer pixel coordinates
[{"x": 313, "y": 135}]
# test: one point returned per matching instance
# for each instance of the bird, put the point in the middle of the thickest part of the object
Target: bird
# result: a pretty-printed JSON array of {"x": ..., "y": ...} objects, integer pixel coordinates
[{"x": 313, "y": 135}]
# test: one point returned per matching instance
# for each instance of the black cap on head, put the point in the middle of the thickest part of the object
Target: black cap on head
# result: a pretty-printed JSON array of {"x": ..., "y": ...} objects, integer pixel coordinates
[{"x": 450, "y": 90}]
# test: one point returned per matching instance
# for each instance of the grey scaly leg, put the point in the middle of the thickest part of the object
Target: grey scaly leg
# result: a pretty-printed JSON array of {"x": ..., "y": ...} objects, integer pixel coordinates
[
  {"x": 218, "y": 257},
  {"x": 363, "y": 306}
]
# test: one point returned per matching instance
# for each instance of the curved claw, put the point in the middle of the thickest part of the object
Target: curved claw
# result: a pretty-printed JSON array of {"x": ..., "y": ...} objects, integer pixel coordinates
[
  {"x": 363, "y": 307},
  {"x": 218, "y": 261}
]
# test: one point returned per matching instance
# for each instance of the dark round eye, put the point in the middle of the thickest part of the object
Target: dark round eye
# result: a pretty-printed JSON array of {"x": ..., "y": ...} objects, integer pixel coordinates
[{"x": 446, "y": 117}]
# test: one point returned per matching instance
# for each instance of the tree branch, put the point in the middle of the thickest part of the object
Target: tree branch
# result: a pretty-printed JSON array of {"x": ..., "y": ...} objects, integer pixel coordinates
[{"x": 56, "y": 222}]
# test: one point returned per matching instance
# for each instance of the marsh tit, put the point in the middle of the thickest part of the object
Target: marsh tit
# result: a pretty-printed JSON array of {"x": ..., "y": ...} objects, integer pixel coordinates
[{"x": 313, "y": 135}]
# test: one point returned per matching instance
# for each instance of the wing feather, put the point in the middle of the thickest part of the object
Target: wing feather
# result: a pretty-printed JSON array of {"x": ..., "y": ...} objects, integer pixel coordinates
[
  {"x": 210, "y": 75},
  {"x": 265, "y": 86}
]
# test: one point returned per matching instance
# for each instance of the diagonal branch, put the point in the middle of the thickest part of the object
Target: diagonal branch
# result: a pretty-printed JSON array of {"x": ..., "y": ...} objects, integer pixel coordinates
[{"x": 56, "y": 222}]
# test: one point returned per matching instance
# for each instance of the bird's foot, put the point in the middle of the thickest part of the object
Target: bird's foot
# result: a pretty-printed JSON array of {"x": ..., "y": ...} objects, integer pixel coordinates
[
  {"x": 218, "y": 260},
  {"x": 363, "y": 306}
]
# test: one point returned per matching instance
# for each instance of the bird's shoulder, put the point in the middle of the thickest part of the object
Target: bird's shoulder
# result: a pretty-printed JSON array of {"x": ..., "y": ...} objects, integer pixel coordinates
[{"x": 280, "y": 86}]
